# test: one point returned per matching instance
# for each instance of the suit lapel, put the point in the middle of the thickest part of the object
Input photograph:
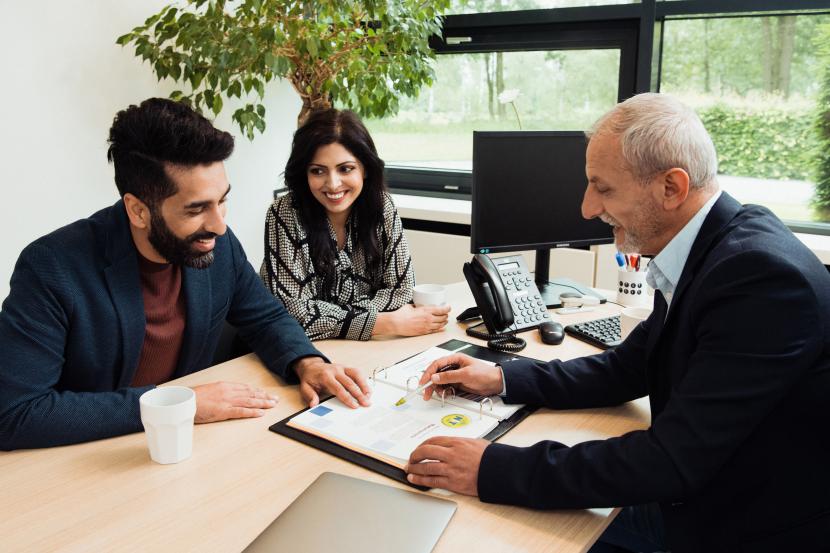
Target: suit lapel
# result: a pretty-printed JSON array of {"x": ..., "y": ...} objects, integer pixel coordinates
[
  {"x": 124, "y": 285},
  {"x": 714, "y": 226},
  {"x": 197, "y": 294},
  {"x": 658, "y": 316}
]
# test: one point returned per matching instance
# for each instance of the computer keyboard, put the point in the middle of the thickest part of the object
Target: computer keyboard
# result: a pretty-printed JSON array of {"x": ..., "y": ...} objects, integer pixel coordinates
[{"x": 603, "y": 333}]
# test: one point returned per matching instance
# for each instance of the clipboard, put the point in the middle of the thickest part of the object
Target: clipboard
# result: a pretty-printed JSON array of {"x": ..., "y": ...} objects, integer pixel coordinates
[{"x": 385, "y": 469}]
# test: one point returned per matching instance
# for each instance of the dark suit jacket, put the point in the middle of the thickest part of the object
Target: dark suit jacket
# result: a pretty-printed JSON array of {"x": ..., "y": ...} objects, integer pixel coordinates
[
  {"x": 72, "y": 328},
  {"x": 738, "y": 377}
]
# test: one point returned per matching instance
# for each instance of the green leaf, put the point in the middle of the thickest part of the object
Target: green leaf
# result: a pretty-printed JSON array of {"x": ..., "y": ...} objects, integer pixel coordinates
[
  {"x": 217, "y": 104},
  {"x": 152, "y": 19},
  {"x": 311, "y": 45},
  {"x": 196, "y": 79},
  {"x": 208, "y": 98},
  {"x": 270, "y": 60}
]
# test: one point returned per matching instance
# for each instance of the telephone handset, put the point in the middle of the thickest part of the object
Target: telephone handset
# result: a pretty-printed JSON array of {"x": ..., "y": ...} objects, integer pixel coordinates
[{"x": 507, "y": 297}]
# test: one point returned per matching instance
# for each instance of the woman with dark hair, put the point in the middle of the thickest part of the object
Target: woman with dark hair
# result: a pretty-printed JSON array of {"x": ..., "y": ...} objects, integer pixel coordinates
[{"x": 335, "y": 252}]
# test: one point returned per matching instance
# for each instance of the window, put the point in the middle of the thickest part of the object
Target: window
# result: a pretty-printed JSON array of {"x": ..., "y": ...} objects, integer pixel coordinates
[
  {"x": 757, "y": 71},
  {"x": 537, "y": 90},
  {"x": 518, "y": 70},
  {"x": 755, "y": 83}
]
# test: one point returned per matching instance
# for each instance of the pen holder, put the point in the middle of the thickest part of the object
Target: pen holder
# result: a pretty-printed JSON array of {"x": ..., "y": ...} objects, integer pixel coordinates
[{"x": 632, "y": 290}]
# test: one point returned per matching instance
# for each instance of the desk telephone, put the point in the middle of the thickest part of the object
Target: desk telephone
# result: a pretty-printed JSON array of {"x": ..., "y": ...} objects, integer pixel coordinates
[{"x": 507, "y": 298}]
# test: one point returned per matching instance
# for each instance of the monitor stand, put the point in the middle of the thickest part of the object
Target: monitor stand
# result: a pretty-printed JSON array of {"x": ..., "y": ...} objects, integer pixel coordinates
[{"x": 551, "y": 290}]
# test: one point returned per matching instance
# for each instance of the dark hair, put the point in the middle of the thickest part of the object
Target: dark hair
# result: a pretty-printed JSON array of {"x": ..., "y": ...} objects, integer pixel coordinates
[
  {"x": 144, "y": 138},
  {"x": 325, "y": 127}
]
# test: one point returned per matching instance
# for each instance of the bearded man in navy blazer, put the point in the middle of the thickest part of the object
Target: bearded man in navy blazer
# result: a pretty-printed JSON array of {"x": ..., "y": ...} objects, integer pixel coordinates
[
  {"x": 102, "y": 310},
  {"x": 735, "y": 359}
]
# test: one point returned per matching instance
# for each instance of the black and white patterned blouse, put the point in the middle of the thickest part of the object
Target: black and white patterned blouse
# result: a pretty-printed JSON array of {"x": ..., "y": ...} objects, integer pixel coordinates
[{"x": 289, "y": 273}]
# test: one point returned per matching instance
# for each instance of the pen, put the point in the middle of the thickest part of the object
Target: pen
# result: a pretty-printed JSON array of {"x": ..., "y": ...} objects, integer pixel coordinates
[
  {"x": 620, "y": 260},
  {"x": 635, "y": 262},
  {"x": 420, "y": 389}
]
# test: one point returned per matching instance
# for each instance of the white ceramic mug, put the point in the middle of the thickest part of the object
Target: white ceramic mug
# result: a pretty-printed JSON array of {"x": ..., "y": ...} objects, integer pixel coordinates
[
  {"x": 631, "y": 317},
  {"x": 429, "y": 294},
  {"x": 167, "y": 414},
  {"x": 632, "y": 289}
]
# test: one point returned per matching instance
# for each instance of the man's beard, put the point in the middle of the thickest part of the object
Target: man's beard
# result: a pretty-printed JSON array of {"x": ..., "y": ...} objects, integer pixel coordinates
[
  {"x": 640, "y": 231},
  {"x": 176, "y": 250}
]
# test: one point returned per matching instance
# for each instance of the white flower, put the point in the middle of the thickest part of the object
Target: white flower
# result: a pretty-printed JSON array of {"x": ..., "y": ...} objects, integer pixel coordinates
[{"x": 509, "y": 95}]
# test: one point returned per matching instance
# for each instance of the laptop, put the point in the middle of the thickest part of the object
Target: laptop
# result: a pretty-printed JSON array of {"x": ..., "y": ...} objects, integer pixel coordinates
[{"x": 344, "y": 514}]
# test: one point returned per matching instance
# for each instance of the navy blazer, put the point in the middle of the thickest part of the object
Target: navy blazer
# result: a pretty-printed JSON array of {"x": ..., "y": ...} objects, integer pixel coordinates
[
  {"x": 738, "y": 378},
  {"x": 72, "y": 328}
]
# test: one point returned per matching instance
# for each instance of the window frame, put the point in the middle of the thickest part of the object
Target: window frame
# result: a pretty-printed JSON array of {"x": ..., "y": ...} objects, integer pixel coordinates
[
  {"x": 610, "y": 27},
  {"x": 637, "y": 31}
]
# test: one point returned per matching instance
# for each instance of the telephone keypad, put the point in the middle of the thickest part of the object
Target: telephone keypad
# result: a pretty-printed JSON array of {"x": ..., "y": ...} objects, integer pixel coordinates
[{"x": 528, "y": 308}]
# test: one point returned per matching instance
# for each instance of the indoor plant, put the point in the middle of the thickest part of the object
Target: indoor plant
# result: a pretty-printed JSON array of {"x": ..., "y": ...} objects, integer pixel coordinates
[{"x": 361, "y": 54}]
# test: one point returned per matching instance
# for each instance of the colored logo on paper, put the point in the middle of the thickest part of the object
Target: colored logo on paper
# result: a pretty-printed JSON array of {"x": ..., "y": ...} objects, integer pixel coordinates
[{"x": 455, "y": 421}]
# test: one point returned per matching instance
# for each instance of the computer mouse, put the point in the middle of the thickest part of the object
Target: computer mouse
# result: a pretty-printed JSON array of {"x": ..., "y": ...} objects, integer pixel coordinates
[{"x": 551, "y": 333}]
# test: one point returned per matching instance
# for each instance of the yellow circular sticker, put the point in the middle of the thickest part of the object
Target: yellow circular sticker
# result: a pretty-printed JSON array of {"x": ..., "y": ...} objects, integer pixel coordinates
[{"x": 454, "y": 421}]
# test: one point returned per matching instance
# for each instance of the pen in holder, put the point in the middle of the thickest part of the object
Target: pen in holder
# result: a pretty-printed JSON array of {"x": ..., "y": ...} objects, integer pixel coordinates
[{"x": 632, "y": 290}]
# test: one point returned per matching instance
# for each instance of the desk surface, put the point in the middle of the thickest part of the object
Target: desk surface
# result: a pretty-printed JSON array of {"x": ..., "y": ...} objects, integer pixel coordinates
[{"x": 109, "y": 496}]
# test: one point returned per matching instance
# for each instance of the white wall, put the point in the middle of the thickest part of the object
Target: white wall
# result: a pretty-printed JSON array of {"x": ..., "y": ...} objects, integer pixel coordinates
[
  {"x": 63, "y": 80},
  {"x": 442, "y": 265}
]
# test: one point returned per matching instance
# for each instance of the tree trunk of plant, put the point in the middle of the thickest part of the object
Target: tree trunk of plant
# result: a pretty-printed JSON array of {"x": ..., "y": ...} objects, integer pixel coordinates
[{"x": 312, "y": 104}]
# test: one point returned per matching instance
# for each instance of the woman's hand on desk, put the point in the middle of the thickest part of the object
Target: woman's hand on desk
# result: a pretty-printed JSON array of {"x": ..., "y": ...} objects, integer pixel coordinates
[
  {"x": 219, "y": 401},
  {"x": 412, "y": 321},
  {"x": 448, "y": 463},
  {"x": 472, "y": 375}
]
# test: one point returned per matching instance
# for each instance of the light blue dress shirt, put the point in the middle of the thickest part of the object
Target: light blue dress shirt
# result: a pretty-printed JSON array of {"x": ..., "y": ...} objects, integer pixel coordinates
[{"x": 665, "y": 269}]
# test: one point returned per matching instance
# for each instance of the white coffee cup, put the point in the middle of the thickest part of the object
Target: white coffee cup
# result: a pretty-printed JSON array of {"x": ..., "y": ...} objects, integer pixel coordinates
[
  {"x": 167, "y": 414},
  {"x": 429, "y": 294},
  {"x": 631, "y": 317}
]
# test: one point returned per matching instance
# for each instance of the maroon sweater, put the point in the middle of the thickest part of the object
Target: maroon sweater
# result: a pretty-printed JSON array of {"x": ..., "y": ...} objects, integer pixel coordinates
[{"x": 164, "y": 312}]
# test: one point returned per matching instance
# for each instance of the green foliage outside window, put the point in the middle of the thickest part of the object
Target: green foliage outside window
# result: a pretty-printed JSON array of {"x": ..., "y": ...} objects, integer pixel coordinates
[
  {"x": 756, "y": 82},
  {"x": 770, "y": 143},
  {"x": 821, "y": 199}
]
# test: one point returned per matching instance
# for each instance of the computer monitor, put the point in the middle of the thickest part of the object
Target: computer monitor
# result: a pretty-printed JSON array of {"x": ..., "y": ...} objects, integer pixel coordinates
[{"x": 527, "y": 195}]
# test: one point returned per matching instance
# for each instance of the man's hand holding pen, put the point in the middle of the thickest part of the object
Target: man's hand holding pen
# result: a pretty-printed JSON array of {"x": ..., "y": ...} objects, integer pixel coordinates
[
  {"x": 452, "y": 463},
  {"x": 471, "y": 375}
]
